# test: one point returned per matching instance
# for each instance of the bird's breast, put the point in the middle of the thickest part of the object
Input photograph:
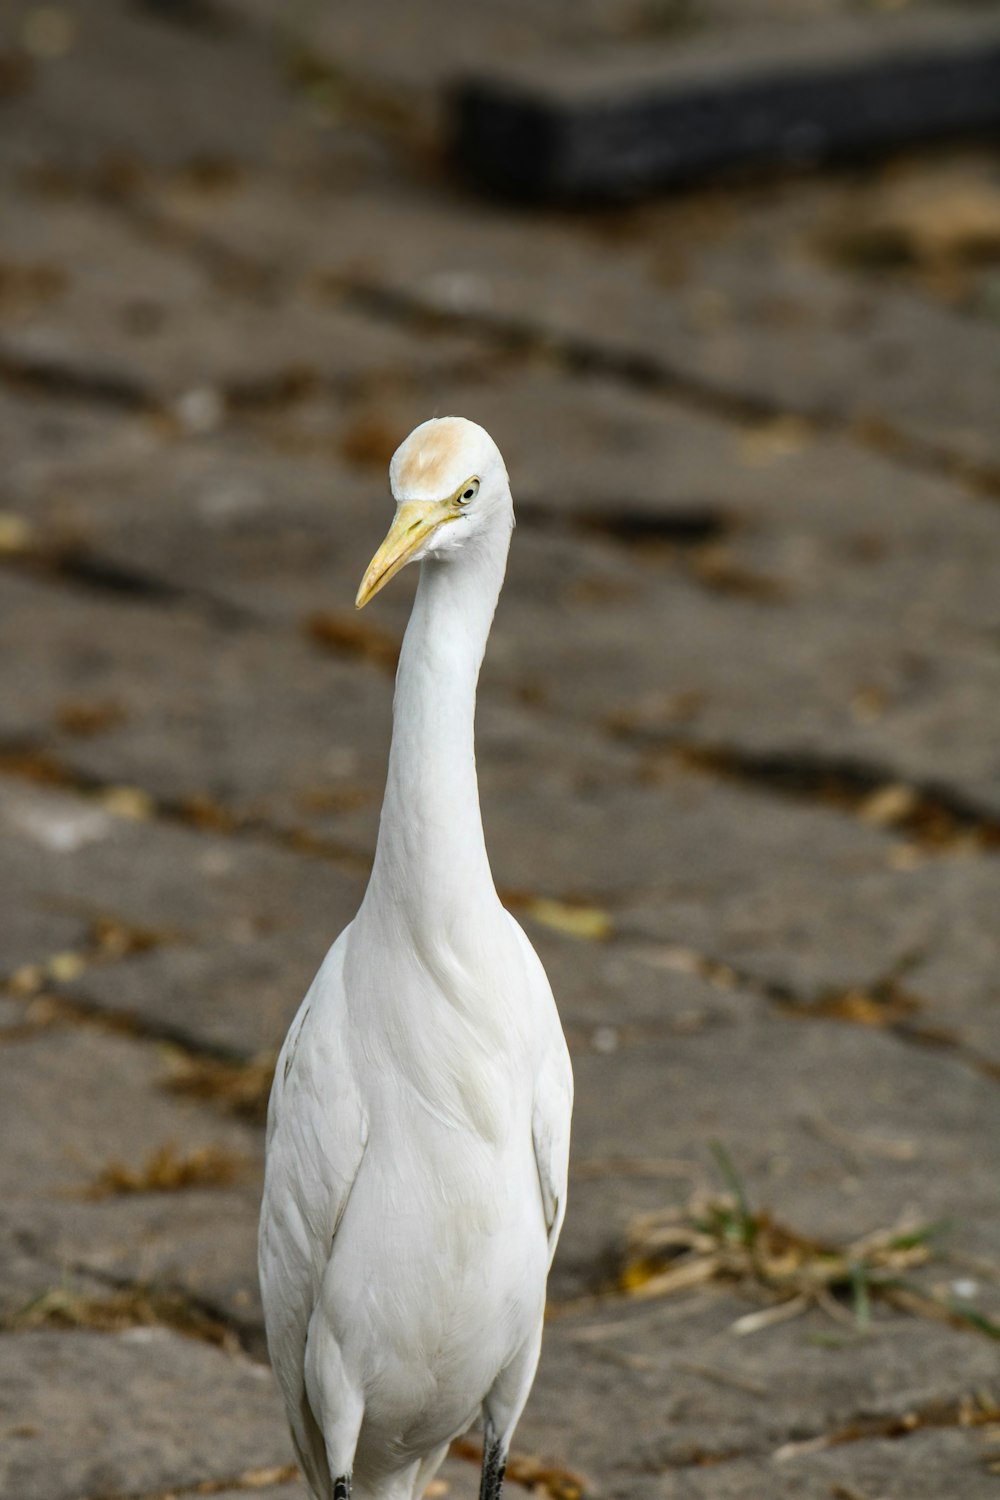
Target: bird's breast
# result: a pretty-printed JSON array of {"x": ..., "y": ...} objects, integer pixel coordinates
[{"x": 438, "y": 1270}]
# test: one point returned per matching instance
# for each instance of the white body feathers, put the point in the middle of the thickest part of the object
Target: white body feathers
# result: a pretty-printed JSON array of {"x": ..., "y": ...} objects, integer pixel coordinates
[{"x": 419, "y": 1125}]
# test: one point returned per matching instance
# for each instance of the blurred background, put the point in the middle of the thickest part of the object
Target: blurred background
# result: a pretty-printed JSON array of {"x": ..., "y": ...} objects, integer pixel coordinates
[{"x": 738, "y": 727}]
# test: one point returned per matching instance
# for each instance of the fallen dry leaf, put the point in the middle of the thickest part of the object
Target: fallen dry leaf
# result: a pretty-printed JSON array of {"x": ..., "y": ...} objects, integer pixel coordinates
[
  {"x": 85, "y": 719},
  {"x": 590, "y": 923},
  {"x": 16, "y": 534},
  {"x": 128, "y": 802},
  {"x": 370, "y": 442},
  {"x": 341, "y": 632},
  {"x": 237, "y": 1088},
  {"x": 166, "y": 1170}
]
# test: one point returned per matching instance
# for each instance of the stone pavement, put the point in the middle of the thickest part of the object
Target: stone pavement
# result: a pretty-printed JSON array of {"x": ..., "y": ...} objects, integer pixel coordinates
[{"x": 738, "y": 747}]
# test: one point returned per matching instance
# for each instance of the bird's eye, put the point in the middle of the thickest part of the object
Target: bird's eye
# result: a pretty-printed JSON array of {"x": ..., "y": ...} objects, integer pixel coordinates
[{"x": 468, "y": 492}]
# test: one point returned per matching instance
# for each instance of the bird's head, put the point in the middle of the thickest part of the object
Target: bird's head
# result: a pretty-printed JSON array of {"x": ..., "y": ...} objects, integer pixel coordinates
[{"x": 450, "y": 487}]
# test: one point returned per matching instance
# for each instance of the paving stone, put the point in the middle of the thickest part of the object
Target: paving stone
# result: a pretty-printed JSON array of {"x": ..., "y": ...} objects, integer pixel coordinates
[
  {"x": 211, "y": 675},
  {"x": 923, "y": 1467},
  {"x": 59, "y": 1137},
  {"x": 237, "y": 917},
  {"x": 63, "y": 440},
  {"x": 200, "y": 1243},
  {"x": 626, "y": 123},
  {"x": 106, "y": 307},
  {"x": 832, "y": 1127},
  {"x": 172, "y": 885},
  {"x": 224, "y": 516},
  {"x": 695, "y": 1392},
  {"x": 11, "y": 1015},
  {"x": 28, "y": 932},
  {"x": 28, "y": 1271},
  {"x": 103, "y": 85},
  {"x": 139, "y": 1412},
  {"x": 884, "y": 691},
  {"x": 241, "y": 723},
  {"x": 237, "y": 998}
]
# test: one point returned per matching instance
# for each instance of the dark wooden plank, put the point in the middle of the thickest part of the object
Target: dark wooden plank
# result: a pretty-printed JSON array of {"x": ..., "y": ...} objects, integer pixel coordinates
[{"x": 626, "y": 123}]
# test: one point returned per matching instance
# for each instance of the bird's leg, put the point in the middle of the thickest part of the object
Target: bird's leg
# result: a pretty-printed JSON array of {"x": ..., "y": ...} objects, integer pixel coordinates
[
  {"x": 494, "y": 1464},
  {"x": 342, "y": 1488}
]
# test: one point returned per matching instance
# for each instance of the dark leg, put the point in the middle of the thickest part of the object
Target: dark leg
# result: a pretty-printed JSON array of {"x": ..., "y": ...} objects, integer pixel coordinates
[
  {"x": 342, "y": 1488},
  {"x": 494, "y": 1465}
]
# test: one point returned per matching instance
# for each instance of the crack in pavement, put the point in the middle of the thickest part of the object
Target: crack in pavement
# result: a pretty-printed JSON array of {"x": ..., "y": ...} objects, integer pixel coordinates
[
  {"x": 968, "y": 1411},
  {"x": 881, "y": 1003},
  {"x": 132, "y": 1304},
  {"x": 932, "y": 815},
  {"x": 26, "y": 759},
  {"x": 55, "y": 380}
]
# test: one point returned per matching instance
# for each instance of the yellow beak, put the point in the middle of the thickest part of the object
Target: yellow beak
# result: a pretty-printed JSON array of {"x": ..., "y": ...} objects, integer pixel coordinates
[{"x": 413, "y": 523}]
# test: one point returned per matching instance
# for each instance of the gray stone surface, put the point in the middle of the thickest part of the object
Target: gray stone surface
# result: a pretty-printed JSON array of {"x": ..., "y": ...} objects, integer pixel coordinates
[
  {"x": 921, "y": 1467},
  {"x": 98, "y": 88},
  {"x": 62, "y": 1225},
  {"x": 104, "y": 306},
  {"x": 695, "y": 1390},
  {"x": 59, "y": 1138},
  {"x": 135, "y": 1412},
  {"x": 71, "y": 853}
]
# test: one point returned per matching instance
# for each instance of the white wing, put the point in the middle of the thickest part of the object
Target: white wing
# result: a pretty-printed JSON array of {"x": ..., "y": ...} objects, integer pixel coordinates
[
  {"x": 550, "y": 1126},
  {"x": 553, "y": 1103},
  {"x": 316, "y": 1134}
]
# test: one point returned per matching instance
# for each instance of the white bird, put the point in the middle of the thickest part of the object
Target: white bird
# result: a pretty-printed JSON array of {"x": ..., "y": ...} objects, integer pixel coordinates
[{"x": 418, "y": 1130}]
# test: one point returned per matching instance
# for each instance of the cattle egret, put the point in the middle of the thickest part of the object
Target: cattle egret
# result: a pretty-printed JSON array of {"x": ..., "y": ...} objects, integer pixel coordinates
[{"x": 418, "y": 1129}]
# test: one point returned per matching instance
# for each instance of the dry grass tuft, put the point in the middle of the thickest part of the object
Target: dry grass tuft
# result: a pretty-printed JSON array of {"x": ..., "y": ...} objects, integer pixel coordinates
[
  {"x": 111, "y": 939},
  {"x": 716, "y": 568},
  {"x": 719, "y": 1238},
  {"x": 885, "y": 1003},
  {"x": 241, "y": 1089},
  {"x": 139, "y": 1306},
  {"x": 86, "y": 719},
  {"x": 205, "y": 812},
  {"x": 166, "y": 1170},
  {"x": 577, "y": 919}
]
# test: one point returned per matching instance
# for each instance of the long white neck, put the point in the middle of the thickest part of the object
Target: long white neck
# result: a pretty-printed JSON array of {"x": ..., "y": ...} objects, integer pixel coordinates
[{"x": 431, "y": 874}]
